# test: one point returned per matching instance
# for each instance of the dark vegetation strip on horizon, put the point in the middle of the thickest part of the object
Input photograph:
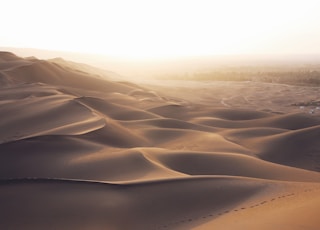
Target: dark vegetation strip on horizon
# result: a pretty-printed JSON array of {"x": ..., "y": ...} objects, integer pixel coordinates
[{"x": 304, "y": 77}]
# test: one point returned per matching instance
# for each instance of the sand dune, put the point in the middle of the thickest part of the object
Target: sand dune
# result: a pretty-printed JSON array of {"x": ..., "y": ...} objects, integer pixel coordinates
[{"x": 81, "y": 151}]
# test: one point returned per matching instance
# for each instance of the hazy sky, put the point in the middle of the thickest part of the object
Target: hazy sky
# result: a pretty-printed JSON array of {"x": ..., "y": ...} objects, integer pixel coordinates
[{"x": 163, "y": 28}]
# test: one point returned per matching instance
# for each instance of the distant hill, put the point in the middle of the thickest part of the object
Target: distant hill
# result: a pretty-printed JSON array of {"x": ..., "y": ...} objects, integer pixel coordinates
[
  {"x": 178, "y": 67},
  {"x": 59, "y": 72}
]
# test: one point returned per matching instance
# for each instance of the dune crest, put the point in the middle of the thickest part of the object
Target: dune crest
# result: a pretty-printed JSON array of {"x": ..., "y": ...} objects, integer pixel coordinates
[{"x": 82, "y": 150}]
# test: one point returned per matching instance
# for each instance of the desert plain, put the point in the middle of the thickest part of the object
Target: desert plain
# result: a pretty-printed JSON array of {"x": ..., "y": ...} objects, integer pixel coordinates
[{"x": 79, "y": 150}]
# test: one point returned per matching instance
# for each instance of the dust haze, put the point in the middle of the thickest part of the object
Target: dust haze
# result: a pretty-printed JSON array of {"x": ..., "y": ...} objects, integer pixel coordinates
[{"x": 88, "y": 142}]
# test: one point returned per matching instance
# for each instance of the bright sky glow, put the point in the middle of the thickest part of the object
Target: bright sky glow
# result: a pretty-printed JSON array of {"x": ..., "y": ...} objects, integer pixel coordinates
[{"x": 163, "y": 28}]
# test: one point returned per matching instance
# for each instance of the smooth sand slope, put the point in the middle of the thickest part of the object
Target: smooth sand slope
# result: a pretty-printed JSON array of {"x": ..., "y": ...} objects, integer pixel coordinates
[{"x": 79, "y": 151}]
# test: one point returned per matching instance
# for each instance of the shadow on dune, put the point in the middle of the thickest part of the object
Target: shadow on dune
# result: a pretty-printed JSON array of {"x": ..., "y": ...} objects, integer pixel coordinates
[{"x": 81, "y": 151}]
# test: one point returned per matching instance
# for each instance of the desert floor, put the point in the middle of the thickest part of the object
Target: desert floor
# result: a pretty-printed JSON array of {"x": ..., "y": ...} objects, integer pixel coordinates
[{"x": 78, "y": 151}]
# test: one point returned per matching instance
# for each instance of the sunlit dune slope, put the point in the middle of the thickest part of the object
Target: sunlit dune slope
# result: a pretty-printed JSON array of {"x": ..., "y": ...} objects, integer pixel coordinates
[{"x": 81, "y": 151}]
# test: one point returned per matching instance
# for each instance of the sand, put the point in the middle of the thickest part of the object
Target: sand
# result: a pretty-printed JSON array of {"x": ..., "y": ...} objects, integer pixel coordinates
[{"x": 79, "y": 150}]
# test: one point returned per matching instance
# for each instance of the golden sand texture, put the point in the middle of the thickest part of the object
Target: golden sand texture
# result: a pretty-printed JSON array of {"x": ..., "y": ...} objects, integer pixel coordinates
[{"x": 79, "y": 151}]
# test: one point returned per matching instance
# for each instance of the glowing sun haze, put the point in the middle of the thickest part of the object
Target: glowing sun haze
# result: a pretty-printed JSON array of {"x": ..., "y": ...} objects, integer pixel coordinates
[{"x": 164, "y": 28}]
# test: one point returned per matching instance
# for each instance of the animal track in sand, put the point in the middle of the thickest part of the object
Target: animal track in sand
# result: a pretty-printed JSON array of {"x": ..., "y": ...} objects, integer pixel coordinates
[{"x": 188, "y": 220}]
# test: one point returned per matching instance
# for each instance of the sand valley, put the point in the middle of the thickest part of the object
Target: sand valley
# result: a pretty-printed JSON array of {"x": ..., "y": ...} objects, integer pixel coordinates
[{"x": 79, "y": 150}]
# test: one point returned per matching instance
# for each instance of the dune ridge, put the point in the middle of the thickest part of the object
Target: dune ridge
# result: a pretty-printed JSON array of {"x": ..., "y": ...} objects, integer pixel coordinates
[{"x": 81, "y": 150}]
